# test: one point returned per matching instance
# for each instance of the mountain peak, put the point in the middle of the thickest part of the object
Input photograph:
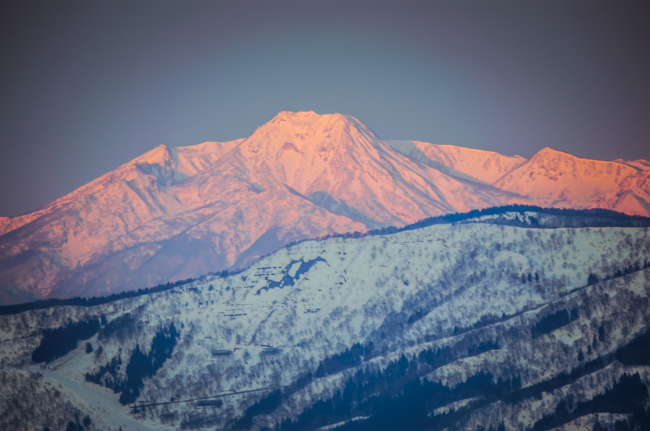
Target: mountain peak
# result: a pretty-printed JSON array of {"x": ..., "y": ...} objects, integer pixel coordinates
[
  {"x": 548, "y": 151},
  {"x": 290, "y": 116},
  {"x": 184, "y": 209},
  {"x": 557, "y": 179},
  {"x": 568, "y": 162},
  {"x": 313, "y": 121},
  {"x": 161, "y": 155},
  {"x": 299, "y": 131}
]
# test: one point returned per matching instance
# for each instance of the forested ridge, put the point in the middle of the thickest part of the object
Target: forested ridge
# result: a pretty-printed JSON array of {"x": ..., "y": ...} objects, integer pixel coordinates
[
  {"x": 606, "y": 218},
  {"x": 452, "y": 326}
]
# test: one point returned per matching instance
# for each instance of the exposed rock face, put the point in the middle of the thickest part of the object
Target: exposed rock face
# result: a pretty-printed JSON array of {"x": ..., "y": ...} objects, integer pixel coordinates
[
  {"x": 176, "y": 213},
  {"x": 503, "y": 320}
]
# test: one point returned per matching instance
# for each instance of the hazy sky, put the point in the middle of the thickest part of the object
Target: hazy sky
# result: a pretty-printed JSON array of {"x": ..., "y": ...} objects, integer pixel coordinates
[{"x": 87, "y": 86}]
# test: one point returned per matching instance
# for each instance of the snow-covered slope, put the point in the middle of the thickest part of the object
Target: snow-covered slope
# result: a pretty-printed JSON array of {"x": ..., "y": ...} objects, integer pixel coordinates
[
  {"x": 166, "y": 165},
  {"x": 478, "y": 165},
  {"x": 555, "y": 179},
  {"x": 487, "y": 316},
  {"x": 177, "y": 213},
  {"x": 335, "y": 158},
  {"x": 93, "y": 224}
]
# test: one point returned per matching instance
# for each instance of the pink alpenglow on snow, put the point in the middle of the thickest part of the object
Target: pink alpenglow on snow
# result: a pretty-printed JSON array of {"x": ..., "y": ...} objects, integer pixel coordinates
[{"x": 176, "y": 213}]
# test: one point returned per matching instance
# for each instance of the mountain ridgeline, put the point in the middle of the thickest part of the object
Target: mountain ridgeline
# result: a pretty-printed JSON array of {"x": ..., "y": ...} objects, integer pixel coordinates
[
  {"x": 552, "y": 218},
  {"x": 513, "y": 318},
  {"x": 178, "y": 213}
]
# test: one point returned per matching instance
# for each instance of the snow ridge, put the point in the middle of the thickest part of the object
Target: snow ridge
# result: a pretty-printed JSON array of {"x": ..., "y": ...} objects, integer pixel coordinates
[{"x": 178, "y": 213}]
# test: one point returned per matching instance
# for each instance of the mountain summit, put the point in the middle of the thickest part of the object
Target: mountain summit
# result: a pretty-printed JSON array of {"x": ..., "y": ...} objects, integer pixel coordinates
[{"x": 176, "y": 213}]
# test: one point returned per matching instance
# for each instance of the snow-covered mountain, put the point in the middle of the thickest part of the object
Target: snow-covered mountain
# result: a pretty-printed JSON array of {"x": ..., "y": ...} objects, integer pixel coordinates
[
  {"x": 177, "y": 213},
  {"x": 502, "y": 321},
  {"x": 476, "y": 165},
  {"x": 556, "y": 179},
  {"x": 550, "y": 178}
]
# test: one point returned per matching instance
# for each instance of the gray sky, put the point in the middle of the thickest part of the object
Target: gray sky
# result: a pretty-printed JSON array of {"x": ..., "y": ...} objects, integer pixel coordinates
[{"x": 87, "y": 86}]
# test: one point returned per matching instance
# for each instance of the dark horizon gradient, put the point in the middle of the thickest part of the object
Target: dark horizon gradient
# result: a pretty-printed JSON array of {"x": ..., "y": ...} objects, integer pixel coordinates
[{"x": 88, "y": 86}]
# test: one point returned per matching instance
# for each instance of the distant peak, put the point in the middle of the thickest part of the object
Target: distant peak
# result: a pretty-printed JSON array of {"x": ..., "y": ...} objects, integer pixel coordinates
[
  {"x": 300, "y": 131},
  {"x": 301, "y": 115},
  {"x": 550, "y": 152},
  {"x": 304, "y": 117},
  {"x": 157, "y": 155},
  {"x": 312, "y": 120},
  {"x": 546, "y": 150}
]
